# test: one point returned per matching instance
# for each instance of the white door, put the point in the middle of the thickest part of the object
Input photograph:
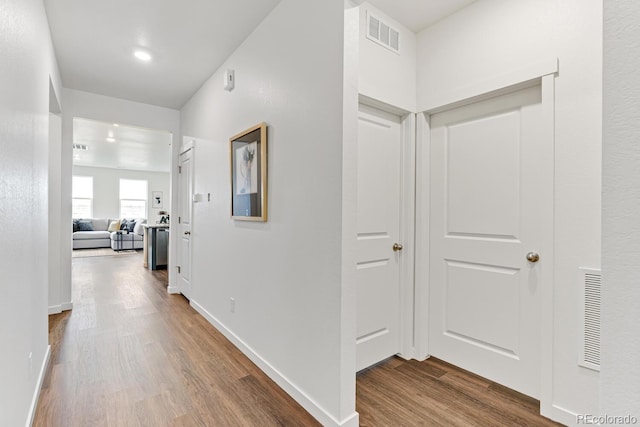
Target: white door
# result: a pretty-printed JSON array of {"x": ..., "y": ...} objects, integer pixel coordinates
[
  {"x": 378, "y": 227},
  {"x": 185, "y": 200},
  {"x": 491, "y": 163}
]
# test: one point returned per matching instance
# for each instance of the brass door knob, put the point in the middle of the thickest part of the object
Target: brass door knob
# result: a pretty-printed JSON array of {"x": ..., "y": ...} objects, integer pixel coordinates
[
  {"x": 533, "y": 257},
  {"x": 397, "y": 247}
]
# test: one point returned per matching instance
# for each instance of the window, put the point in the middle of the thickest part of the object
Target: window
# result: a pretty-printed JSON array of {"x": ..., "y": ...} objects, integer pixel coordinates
[
  {"x": 133, "y": 198},
  {"x": 82, "y": 197}
]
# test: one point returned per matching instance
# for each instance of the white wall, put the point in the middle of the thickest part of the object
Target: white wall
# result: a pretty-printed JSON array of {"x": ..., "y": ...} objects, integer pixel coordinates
[
  {"x": 27, "y": 63},
  {"x": 98, "y": 107},
  {"x": 386, "y": 75},
  {"x": 492, "y": 38},
  {"x": 285, "y": 274},
  {"x": 56, "y": 304},
  {"x": 620, "y": 376},
  {"x": 106, "y": 190}
]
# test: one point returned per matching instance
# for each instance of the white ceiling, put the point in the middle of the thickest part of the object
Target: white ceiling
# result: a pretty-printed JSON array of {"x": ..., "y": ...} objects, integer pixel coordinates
[
  {"x": 417, "y": 15},
  {"x": 132, "y": 147},
  {"x": 188, "y": 39},
  {"x": 94, "y": 43}
]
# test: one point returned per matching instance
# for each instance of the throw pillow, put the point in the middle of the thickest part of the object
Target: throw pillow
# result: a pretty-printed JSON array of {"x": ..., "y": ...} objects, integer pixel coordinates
[
  {"x": 138, "y": 229},
  {"x": 75, "y": 225},
  {"x": 114, "y": 225},
  {"x": 131, "y": 225},
  {"x": 123, "y": 224},
  {"x": 85, "y": 225}
]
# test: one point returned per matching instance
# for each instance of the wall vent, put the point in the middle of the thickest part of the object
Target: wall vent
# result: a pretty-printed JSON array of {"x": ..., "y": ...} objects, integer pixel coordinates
[
  {"x": 383, "y": 34},
  {"x": 81, "y": 147},
  {"x": 590, "y": 288}
]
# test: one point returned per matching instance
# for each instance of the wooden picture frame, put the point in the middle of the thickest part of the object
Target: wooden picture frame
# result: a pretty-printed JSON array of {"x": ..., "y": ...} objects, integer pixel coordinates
[{"x": 248, "y": 160}]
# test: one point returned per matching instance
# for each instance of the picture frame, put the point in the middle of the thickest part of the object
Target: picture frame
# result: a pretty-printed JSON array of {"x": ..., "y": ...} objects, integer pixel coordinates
[
  {"x": 156, "y": 199},
  {"x": 248, "y": 161}
]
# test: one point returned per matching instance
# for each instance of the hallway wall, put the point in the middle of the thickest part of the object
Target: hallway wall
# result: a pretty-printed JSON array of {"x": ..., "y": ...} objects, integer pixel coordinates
[
  {"x": 284, "y": 274},
  {"x": 492, "y": 38},
  {"x": 620, "y": 376},
  {"x": 385, "y": 75},
  {"x": 27, "y": 64}
]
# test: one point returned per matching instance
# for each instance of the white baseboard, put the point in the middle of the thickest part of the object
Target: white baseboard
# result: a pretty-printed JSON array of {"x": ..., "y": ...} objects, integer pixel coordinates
[
  {"x": 564, "y": 416},
  {"x": 298, "y": 395},
  {"x": 173, "y": 290},
  {"x": 57, "y": 309},
  {"x": 36, "y": 393}
]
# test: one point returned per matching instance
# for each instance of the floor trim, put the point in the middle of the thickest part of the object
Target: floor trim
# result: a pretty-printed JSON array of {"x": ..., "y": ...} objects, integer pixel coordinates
[
  {"x": 564, "y": 416},
  {"x": 36, "y": 393}
]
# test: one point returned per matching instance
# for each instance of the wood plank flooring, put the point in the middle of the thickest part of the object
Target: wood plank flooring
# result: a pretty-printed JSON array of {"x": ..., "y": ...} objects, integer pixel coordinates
[
  {"x": 129, "y": 354},
  {"x": 434, "y": 393}
]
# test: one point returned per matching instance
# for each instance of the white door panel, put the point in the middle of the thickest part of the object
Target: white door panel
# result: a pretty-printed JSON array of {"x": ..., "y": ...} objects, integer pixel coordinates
[
  {"x": 378, "y": 227},
  {"x": 485, "y": 297},
  {"x": 185, "y": 203}
]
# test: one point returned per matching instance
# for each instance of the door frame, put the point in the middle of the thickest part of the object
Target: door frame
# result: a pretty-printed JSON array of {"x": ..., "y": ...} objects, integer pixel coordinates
[
  {"x": 188, "y": 143},
  {"x": 407, "y": 233},
  {"x": 542, "y": 73}
]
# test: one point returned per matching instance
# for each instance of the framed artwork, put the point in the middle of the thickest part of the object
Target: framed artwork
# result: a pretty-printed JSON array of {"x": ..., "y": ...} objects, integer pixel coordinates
[
  {"x": 248, "y": 153},
  {"x": 156, "y": 199}
]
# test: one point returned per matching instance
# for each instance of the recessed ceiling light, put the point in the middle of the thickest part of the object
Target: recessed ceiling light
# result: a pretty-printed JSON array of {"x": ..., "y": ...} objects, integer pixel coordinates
[
  {"x": 115, "y": 125},
  {"x": 111, "y": 140},
  {"x": 142, "y": 55}
]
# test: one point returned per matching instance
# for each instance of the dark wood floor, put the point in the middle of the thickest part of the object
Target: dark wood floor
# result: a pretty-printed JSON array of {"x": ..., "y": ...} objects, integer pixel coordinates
[{"x": 129, "y": 354}]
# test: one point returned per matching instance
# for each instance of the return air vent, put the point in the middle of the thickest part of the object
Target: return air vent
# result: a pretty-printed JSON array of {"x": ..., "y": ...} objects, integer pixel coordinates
[
  {"x": 590, "y": 308},
  {"x": 81, "y": 147},
  {"x": 383, "y": 34}
]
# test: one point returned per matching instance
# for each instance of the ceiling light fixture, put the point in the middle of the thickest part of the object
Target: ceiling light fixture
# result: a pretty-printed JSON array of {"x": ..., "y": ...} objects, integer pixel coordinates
[
  {"x": 111, "y": 140},
  {"x": 142, "y": 55}
]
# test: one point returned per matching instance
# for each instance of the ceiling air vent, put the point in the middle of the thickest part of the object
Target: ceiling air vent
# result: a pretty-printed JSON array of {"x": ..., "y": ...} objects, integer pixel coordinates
[
  {"x": 81, "y": 147},
  {"x": 383, "y": 34},
  {"x": 590, "y": 308}
]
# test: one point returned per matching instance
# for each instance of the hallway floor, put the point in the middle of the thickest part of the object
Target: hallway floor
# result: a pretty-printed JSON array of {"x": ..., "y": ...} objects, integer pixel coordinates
[{"x": 129, "y": 354}]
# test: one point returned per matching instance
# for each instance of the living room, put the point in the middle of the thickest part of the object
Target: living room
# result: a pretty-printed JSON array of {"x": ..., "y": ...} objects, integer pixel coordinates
[{"x": 120, "y": 182}]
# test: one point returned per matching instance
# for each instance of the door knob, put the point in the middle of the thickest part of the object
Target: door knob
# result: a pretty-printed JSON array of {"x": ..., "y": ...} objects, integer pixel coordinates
[
  {"x": 533, "y": 257},
  {"x": 397, "y": 247},
  {"x": 187, "y": 233}
]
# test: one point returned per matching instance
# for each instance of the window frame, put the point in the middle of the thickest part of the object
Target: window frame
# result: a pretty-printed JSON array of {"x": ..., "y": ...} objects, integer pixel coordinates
[
  {"x": 73, "y": 199},
  {"x": 145, "y": 201}
]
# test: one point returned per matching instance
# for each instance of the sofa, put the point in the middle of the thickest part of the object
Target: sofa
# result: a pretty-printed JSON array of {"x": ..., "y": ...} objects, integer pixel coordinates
[{"x": 108, "y": 233}]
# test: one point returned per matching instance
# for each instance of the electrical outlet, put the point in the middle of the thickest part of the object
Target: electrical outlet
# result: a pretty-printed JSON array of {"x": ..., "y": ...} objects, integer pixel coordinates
[{"x": 232, "y": 305}]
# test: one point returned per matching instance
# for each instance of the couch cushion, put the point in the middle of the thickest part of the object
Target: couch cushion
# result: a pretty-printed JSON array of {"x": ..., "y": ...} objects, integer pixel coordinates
[
  {"x": 114, "y": 225},
  {"x": 85, "y": 225},
  {"x": 100, "y": 224},
  {"x": 126, "y": 237},
  {"x": 139, "y": 229},
  {"x": 131, "y": 225},
  {"x": 86, "y": 235}
]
